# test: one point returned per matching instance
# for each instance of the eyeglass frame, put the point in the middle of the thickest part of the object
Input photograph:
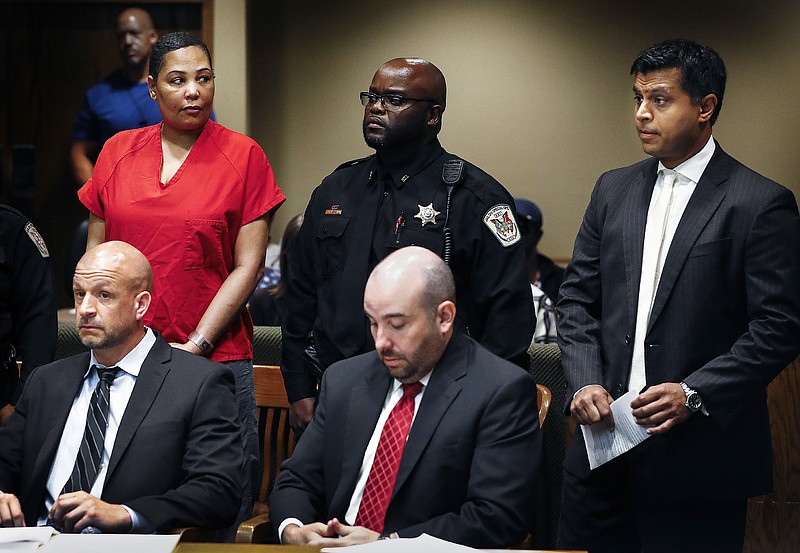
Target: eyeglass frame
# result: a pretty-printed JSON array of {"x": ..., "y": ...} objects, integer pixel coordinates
[{"x": 367, "y": 97}]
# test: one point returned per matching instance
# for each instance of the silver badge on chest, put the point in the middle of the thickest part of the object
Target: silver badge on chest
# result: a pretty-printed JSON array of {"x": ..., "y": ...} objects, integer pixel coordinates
[{"x": 427, "y": 214}]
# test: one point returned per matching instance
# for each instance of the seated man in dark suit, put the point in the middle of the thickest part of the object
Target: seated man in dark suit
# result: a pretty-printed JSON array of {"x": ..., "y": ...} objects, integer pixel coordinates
[
  {"x": 466, "y": 447},
  {"x": 170, "y": 451}
]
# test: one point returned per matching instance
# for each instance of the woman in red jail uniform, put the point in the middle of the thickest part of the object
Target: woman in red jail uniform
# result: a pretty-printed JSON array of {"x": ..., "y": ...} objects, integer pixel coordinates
[{"x": 196, "y": 199}]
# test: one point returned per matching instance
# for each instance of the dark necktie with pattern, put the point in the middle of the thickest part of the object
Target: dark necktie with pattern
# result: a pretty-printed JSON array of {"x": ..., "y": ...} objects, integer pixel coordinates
[
  {"x": 90, "y": 455},
  {"x": 382, "y": 476}
]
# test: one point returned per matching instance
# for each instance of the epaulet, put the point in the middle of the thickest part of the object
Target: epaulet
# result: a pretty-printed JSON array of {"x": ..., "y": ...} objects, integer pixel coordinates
[
  {"x": 352, "y": 163},
  {"x": 18, "y": 213}
]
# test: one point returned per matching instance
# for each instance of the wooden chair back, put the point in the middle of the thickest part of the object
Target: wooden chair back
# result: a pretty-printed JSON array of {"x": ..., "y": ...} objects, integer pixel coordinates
[
  {"x": 275, "y": 436},
  {"x": 543, "y": 398}
]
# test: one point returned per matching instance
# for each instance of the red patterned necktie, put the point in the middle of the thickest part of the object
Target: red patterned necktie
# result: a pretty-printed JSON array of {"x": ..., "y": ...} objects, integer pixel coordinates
[{"x": 382, "y": 476}]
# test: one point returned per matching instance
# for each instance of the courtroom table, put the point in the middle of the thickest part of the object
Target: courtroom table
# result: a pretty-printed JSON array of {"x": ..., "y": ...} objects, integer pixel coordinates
[{"x": 188, "y": 547}]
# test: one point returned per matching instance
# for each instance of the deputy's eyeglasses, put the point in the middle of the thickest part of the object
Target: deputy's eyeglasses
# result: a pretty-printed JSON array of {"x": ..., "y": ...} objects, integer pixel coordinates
[{"x": 392, "y": 102}]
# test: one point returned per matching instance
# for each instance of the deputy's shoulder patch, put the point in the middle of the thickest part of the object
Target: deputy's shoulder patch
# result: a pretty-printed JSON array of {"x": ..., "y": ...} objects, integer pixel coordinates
[
  {"x": 37, "y": 239},
  {"x": 500, "y": 221},
  {"x": 352, "y": 162}
]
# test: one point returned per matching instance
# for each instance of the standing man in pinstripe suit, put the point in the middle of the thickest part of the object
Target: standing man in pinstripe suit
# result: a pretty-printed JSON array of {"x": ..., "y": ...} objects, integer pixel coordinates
[{"x": 685, "y": 287}]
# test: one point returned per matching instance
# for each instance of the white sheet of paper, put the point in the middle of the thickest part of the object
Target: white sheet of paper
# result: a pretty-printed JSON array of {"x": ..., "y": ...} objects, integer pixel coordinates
[
  {"x": 25, "y": 539},
  {"x": 426, "y": 543},
  {"x": 116, "y": 543},
  {"x": 603, "y": 445}
]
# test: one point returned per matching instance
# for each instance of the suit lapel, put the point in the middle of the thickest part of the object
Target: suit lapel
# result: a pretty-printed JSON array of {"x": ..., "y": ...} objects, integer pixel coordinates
[
  {"x": 637, "y": 203},
  {"x": 442, "y": 389},
  {"x": 366, "y": 402},
  {"x": 701, "y": 207},
  {"x": 151, "y": 376},
  {"x": 62, "y": 391}
]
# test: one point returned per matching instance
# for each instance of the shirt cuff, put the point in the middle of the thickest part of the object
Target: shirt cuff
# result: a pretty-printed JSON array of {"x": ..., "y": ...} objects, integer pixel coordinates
[
  {"x": 582, "y": 388},
  {"x": 286, "y": 523},
  {"x": 139, "y": 523}
]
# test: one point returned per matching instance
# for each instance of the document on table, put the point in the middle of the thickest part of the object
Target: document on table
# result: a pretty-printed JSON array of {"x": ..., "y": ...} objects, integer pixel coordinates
[
  {"x": 426, "y": 543},
  {"x": 24, "y": 539},
  {"x": 603, "y": 444}
]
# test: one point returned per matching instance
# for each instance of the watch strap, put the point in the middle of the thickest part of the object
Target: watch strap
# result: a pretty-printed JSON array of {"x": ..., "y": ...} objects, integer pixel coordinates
[{"x": 199, "y": 340}]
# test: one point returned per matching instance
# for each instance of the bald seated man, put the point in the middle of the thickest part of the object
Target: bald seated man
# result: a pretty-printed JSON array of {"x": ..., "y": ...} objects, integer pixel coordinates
[
  {"x": 171, "y": 454},
  {"x": 410, "y": 192},
  {"x": 121, "y": 101},
  {"x": 467, "y": 470}
]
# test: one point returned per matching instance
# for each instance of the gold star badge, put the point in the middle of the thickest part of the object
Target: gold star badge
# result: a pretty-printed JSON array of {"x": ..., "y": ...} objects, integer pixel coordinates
[{"x": 427, "y": 214}]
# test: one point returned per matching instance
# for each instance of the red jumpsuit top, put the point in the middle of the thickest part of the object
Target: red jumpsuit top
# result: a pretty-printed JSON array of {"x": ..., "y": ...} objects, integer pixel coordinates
[{"x": 188, "y": 226}]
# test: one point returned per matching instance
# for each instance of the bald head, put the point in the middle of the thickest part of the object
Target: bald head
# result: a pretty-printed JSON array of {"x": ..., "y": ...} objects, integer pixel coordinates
[
  {"x": 111, "y": 287},
  {"x": 123, "y": 261},
  {"x": 415, "y": 271},
  {"x": 136, "y": 35},
  {"x": 423, "y": 79},
  {"x": 403, "y": 108},
  {"x": 409, "y": 303},
  {"x": 140, "y": 16}
]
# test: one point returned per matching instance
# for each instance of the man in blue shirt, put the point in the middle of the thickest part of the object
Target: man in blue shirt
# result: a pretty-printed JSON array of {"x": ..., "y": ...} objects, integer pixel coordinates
[{"x": 121, "y": 101}]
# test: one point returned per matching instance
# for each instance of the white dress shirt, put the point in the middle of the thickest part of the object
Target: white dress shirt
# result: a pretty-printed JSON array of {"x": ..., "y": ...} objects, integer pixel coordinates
[
  {"x": 72, "y": 436},
  {"x": 546, "y": 324},
  {"x": 667, "y": 205},
  {"x": 392, "y": 398}
]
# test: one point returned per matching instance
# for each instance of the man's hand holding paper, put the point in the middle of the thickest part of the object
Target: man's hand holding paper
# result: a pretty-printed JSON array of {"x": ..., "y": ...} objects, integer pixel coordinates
[
  {"x": 604, "y": 443},
  {"x": 660, "y": 407}
]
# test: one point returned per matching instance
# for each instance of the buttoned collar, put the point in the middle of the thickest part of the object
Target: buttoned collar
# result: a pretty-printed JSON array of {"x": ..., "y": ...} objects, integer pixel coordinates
[{"x": 400, "y": 173}]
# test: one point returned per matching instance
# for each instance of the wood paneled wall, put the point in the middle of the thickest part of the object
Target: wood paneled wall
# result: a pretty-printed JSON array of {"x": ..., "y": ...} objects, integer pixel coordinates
[
  {"x": 773, "y": 520},
  {"x": 51, "y": 52}
]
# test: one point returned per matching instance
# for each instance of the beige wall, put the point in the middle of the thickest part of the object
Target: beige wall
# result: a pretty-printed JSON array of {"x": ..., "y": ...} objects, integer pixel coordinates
[
  {"x": 539, "y": 92},
  {"x": 230, "y": 64}
]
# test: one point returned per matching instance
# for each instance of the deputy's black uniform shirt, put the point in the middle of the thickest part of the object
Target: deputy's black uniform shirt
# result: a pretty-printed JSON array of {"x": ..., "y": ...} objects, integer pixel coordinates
[
  {"x": 360, "y": 214},
  {"x": 27, "y": 307}
]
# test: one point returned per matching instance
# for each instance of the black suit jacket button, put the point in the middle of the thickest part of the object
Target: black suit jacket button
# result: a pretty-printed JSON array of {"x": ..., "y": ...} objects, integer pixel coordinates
[
  {"x": 628, "y": 339},
  {"x": 619, "y": 388}
]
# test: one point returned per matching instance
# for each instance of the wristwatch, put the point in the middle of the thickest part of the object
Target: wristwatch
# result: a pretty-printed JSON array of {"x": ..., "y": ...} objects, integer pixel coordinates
[
  {"x": 693, "y": 400},
  {"x": 197, "y": 339}
]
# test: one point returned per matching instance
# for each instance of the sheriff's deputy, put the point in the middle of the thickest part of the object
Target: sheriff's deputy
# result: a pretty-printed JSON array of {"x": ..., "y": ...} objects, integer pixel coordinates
[
  {"x": 27, "y": 307},
  {"x": 410, "y": 192}
]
